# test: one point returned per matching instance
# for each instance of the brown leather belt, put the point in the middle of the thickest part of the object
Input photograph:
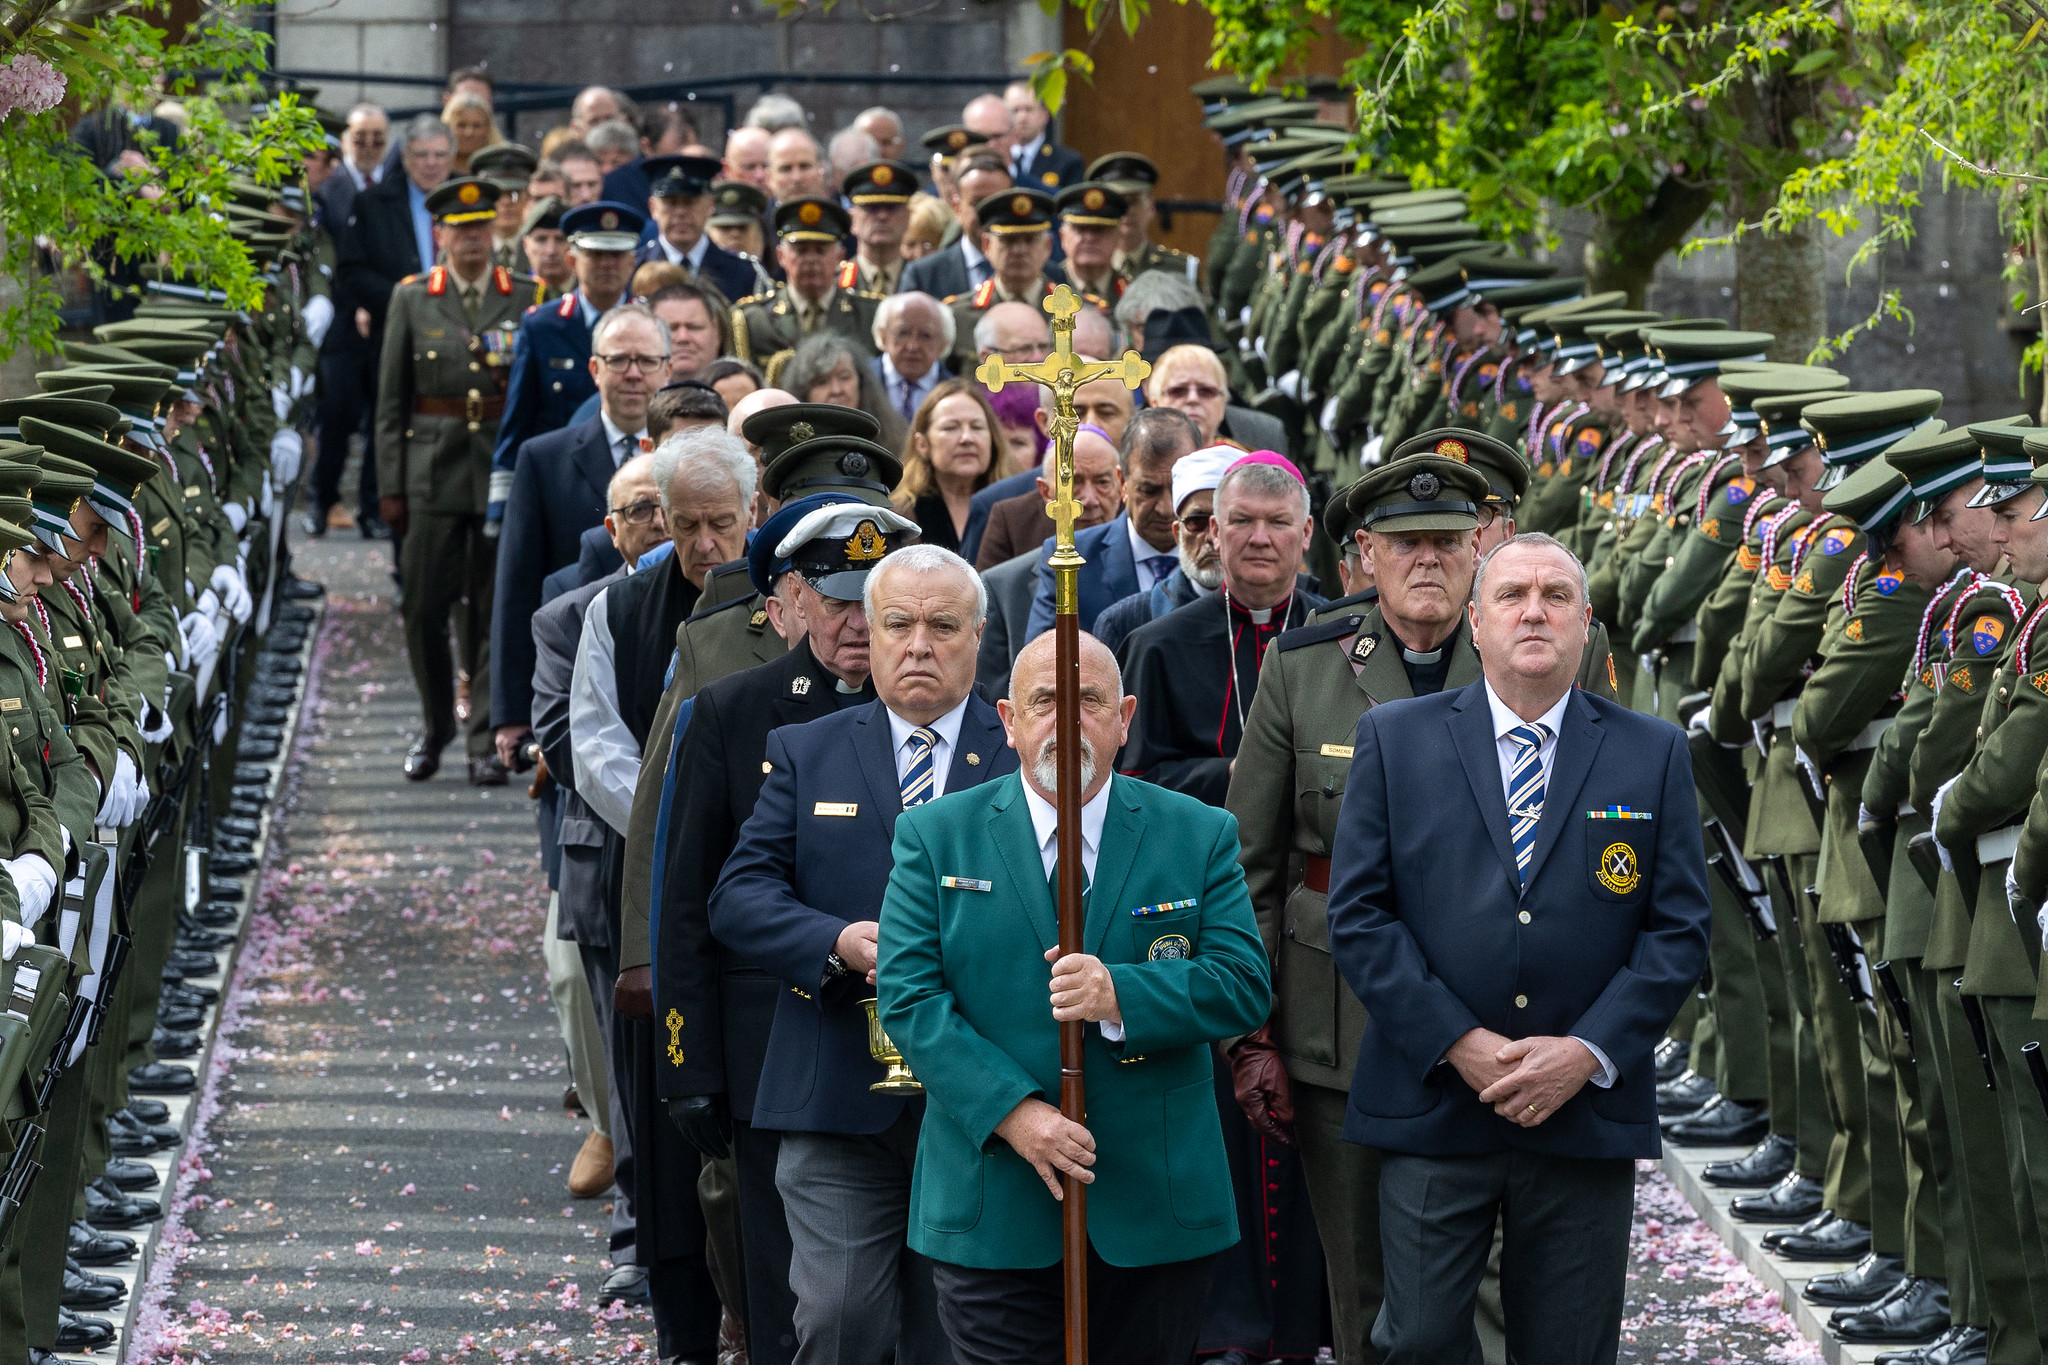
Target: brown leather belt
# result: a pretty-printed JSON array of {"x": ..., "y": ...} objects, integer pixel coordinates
[
  {"x": 1316, "y": 876},
  {"x": 477, "y": 407}
]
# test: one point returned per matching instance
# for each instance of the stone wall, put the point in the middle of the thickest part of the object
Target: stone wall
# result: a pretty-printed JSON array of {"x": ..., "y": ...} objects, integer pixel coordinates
[{"x": 375, "y": 37}]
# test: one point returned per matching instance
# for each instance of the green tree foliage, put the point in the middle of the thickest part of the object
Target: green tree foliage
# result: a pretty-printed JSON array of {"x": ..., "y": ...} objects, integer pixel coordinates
[{"x": 163, "y": 205}]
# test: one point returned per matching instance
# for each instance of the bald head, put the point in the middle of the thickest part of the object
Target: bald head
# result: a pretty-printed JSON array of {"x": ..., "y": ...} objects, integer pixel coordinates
[
  {"x": 988, "y": 114},
  {"x": 1029, "y": 713},
  {"x": 760, "y": 400}
]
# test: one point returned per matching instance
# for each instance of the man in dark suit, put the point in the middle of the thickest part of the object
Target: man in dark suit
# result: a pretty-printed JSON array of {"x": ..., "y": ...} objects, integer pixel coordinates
[
  {"x": 959, "y": 268},
  {"x": 1519, "y": 921},
  {"x": 1035, "y": 159},
  {"x": 348, "y": 367},
  {"x": 557, "y": 493},
  {"x": 1002, "y": 638},
  {"x": 1019, "y": 525},
  {"x": 801, "y": 897},
  {"x": 679, "y": 204},
  {"x": 551, "y": 365}
]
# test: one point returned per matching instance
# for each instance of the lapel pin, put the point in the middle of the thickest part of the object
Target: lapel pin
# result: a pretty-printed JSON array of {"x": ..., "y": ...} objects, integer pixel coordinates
[{"x": 974, "y": 760}]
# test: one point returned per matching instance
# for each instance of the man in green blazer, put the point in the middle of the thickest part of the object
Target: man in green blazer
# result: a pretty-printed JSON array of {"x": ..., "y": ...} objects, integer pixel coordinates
[{"x": 1172, "y": 963}]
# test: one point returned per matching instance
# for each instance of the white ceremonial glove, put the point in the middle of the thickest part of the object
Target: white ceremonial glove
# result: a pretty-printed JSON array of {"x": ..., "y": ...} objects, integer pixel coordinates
[
  {"x": 280, "y": 401},
  {"x": 1697, "y": 722},
  {"x": 207, "y": 603},
  {"x": 35, "y": 881},
  {"x": 318, "y": 315},
  {"x": 1259, "y": 347},
  {"x": 1370, "y": 456},
  {"x": 1327, "y": 417},
  {"x": 1865, "y": 816},
  {"x": 299, "y": 384},
  {"x": 171, "y": 662},
  {"x": 287, "y": 452},
  {"x": 1948, "y": 864},
  {"x": 117, "y": 806},
  {"x": 267, "y": 500},
  {"x": 201, "y": 643},
  {"x": 1244, "y": 316},
  {"x": 13, "y": 938},
  {"x": 141, "y": 797},
  {"x": 1290, "y": 384},
  {"x": 2041, "y": 919},
  {"x": 1812, "y": 771},
  {"x": 237, "y": 515},
  {"x": 152, "y": 731},
  {"x": 227, "y": 581},
  {"x": 1244, "y": 345},
  {"x": 96, "y": 951},
  {"x": 220, "y": 726}
]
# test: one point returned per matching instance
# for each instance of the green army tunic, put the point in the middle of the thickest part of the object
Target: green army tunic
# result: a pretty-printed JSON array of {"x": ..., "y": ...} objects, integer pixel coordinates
[
  {"x": 36, "y": 733},
  {"x": 764, "y": 325}
]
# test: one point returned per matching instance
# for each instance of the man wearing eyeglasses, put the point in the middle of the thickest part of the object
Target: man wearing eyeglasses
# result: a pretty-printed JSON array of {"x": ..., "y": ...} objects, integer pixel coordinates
[
  {"x": 558, "y": 493},
  {"x": 1191, "y": 378},
  {"x": 440, "y": 392}
]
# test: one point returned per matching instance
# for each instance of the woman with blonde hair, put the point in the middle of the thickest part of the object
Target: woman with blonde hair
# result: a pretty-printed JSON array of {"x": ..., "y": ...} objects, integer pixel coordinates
[
  {"x": 929, "y": 221},
  {"x": 955, "y": 450},
  {"x": 473, "y": 125}
]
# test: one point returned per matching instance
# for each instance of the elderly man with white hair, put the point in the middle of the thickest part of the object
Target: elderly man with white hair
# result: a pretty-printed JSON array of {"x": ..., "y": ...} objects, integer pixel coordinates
[{"x": 913, "y": 332}]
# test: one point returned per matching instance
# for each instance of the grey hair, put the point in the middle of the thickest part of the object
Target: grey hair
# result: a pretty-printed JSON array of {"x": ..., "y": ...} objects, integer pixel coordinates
[
  {"x": 1530, "y": 538},
  {"x": 816, "y": 357},
  {"x": 365, "y": 107},
  {"x": 774, "y": 112},
  {"x": 426, "y": 125},
  {"x": 1154, "y": 434},
  {"x": 696, "y": 450},
  {"x": 631, "y": 308},
  {"x": 1263, "y": 480},
  {"x": 851, "y": 147},
  {"x": 615, "y": 135},
  {"x": 925, "y": 559},
  {"x": 985, "y": 330},
  {"x": 893, "y": 306},
  {"x": 884, "y": 111},
  {"x": 1151, "y": 292}
]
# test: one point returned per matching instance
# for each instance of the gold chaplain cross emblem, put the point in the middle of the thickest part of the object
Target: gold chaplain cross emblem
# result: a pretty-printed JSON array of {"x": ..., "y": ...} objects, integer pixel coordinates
[{"x": 675, "y": 1038}]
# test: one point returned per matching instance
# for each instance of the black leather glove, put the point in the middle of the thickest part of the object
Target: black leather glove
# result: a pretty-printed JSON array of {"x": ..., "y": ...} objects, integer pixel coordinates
[{"x": 705, "y": 1123}]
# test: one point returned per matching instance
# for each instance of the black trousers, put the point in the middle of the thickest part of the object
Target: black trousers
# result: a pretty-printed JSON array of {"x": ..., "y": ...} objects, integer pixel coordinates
[
  {"x": 1564, "y": 1255},
  {"x": 347, "y": 404},
  {"x": 1139, "y": 1315}
]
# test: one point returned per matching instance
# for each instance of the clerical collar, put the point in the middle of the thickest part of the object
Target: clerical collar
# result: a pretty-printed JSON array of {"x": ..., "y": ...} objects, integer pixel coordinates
[
  {"x": 844, "y": 687},
  {"x": 1264, "y": 616},
  {"x": 1261, "y": 616},
  {"x": 1424, "y": 660}
]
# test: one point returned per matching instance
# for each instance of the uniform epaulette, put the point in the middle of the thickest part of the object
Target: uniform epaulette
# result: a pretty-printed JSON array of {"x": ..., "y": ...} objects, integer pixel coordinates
[
  {"x": 849, "y": 274},
  {"x": 753, "y": 298},
  {"x": 1363, "y": 598},
  {"x": 531, "y": 309},
  {"x": 985, "y": 294},
  {"x": 951, "y": 299},
  {"x": 871, "y": 295},
  {"x": 1343, "y": 628},
  {"x": 409, "y": 279},
  {"x": 694, "y": 617},
  {"x": 568, "y": 306},
  {"x": 503, "y": 278}
]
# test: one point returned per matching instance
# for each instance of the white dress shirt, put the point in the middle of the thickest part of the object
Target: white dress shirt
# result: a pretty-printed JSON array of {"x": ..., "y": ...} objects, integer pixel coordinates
[
  {"x": 1022, "y": 157},
  {"x": 615, "y": 438},
  {"x": 1045, "y": 821},
  {"x": 607, "y": 756},
  {"x": 693, "y": 258},
  {"x": 978, "y": 268},
  {"x": 1552, "y": 721},
  {"x": 1141, "y": 555},
  {"x": 946, "y": 727}
]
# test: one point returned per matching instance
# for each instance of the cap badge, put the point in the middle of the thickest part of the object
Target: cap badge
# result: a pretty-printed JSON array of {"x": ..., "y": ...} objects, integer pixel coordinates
[
  {"x": 866, "y": 544},
  {"x": 1050, "y": 179},
  {"x": 1425, "y": 487},
  {"x": 957, "y": 139},
  {"x": 608, "y": 220},
  {"x": 469, "y": 194},
  {"x": 882, "y": 175},
  {"x": 853, "y": 464},
  {"x": 800, "y": 685},
  {"x": 1452, "y": 450},
  {"x": 1092, "y": 199},
  {"x": 809, "y": 214},
  {"x": 1020, "y": 206},
  {"x": 799, "y": 432}
]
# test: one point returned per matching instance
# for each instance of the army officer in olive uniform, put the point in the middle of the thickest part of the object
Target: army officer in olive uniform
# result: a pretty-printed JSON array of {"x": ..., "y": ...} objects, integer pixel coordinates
[
  {"x": 440, "y": 392},
  {"x": 810, "y": 237}
]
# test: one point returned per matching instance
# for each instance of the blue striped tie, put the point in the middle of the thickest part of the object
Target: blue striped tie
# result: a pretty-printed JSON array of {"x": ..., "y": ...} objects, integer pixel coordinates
[
  {"x": 917, "y": 778},
  {"x": 1525, "y": 792}
]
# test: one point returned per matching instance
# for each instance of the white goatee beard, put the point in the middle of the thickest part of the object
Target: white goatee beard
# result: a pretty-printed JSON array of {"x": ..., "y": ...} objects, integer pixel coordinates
[
  {"x": 1045, "y": 768},
  {"x": 1207, "y": 579}
]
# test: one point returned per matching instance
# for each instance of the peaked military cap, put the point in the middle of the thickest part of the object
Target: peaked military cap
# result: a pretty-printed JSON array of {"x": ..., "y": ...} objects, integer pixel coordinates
[
  {"x": 2037, "y": 450},
  {"x": 764, "y": 565},
  {"x": 544, "y": 215},
  {"x": 1742, "y": 386},
  {"x": 1091, "y": 205},
  {"x": 1872, "y": 495},
  {"x": 2004, "y": 463},
  {"x": 735, "y": 203},
  {"x": 1537, "y": 293},
  {"x": 1936, "y": 459},
  {"x": 1692, "y": 357},
  {"x": 116, "y": 473},
  {"x": 604, "y": 226},
  {"x": 86, "y": 408},
  {"x": 680, "y": 175},
  {"x": 818, "y": 447},
  {"x": 1427, "y": 485},
  {"x": 508, "y": 165},
  {"x": 1576, "y": 347},
  {"x": 880, "y": 184},
  {"x": 1850, "y": 430},
  {"x": 952, "y": 139},
  {"x": 1784, "y": 434},
  {"x": 834, "y": 548},
  {"x": 811, "y": 219},
  {"x": 471, "y": 199},
  {"x": 1013, "y": 212},
  {"x": 1125, "y": 172}
]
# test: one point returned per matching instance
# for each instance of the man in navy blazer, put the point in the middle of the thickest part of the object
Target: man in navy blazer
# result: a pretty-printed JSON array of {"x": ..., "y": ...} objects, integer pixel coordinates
[
  {"x": 800, "y": 897},
  {"x": 679, "y": 204},
  {"x": 1518, "y": 897}
]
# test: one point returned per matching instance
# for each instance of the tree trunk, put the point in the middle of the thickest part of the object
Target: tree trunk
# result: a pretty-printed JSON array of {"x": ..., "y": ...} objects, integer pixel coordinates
[
  {"x": 1623, "y": 252},
  {"x": 1781, "y": 288}
]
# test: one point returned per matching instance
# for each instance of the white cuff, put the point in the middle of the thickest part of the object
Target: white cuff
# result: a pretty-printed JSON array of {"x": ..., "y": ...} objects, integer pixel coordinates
[
  {"x": 1605, "y": 1077},
  {"x": 1112, "y": 1031}
]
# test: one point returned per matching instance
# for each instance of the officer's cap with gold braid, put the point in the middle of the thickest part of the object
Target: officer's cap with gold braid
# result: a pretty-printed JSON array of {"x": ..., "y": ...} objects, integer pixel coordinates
[
  {"x": 1741, "y": 388},
  {"x": 1015, "y": 212},
  {"x": 472, "y": 199},
  {"x": 508, "y": 165},
  {"x": 811, "y": 219},
  {"x": 952, "y": 139},
  {"x": 1873, "y": 495},
  {"x": 1694, "y": 357},
  {"x": 1428, "y": 484},
  {"x": 821, "y": 447},
  {"x": 1126, "y": 172},
  {"x": 1091, "y": 205},
  {"x": 609, "y": 226},
  {"x": 1855, "y": 428},
  {"x": 1936, "y": 461},
  {"x": 879, "y": 184},
  {"x": 2004, "y": 463},
  {"x": 833, "y": 548},
  {"x": 1506, "y": 472}
]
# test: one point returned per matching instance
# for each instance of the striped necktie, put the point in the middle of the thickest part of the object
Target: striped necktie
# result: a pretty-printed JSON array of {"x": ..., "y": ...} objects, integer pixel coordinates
[
  {"x": 1525, "y": 792},
  {"x": 917, "y": 778}
]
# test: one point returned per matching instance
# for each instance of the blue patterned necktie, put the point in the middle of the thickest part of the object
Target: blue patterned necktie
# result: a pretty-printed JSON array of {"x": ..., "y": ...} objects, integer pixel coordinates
[
  {"x": 917, "y": 778},
  {"x": 1525, "y": 792}
]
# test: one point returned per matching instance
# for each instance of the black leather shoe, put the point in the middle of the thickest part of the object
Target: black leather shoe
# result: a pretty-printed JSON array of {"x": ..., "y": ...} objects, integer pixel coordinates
[
  {"x": 179, "y": 1018},
  {"x": 89, "y": 1246},
  {"x": 313, "y": 524},
  {"x": 150, "y": 1111},
  {"x": 232, "y": 846},
  {"x": 1869, "y": 1280},
  {"x": 158, "y": 1135},
  {"x": 238, "y": 827},
  {"x": 262, "y": 734},
  {"x": 1761, "y": 1167},
  {"x": 1794, "y": 1199},
  {"x": 184, "y": 963},
  {"x": 245, "y": 810},
  {"x": 231, "y": 863},
  {"x": 1721, "y": 1122},
  {"x": 163, "y": 1078},
  {"x": 225, "y": 888},
  {"x": 195, "y": 939},
  {"x": 78, "y": 1335},
  {"x": 301, "y": 589},
  {"x": 373, "y": 528},
  {"x": 1672, "y": 1054},
  {"x": 252, "y": 791},
  {"x": 132, "y": 1176},
  {"x": 486, "y": 771},
  {"x": 423, "y": 757},
  {"x": 251, "y": 772},
  {"x": 1959, "y": 1345},
  {"x": 265, "y": 752},
  {"x": 91, "y": 1293},
  {"x": 189, "y": 993},
  {"x": 1917, "y": 1310},
  {"x": 628, "y": 1282},
  {"x": 1771, "y": 1239},
  {"x": 117, "y": 1214},
  {"x": 216, "y": 915},
  {"x": 1840, "y": 1240},
  {"x": 277, "y": 668},
  {"x": 1686, "y": 1095},
  {"x": 295, "y": 614},
  {"x": 148, "y": 1207},
  {"x": 173, "y": 1044}
]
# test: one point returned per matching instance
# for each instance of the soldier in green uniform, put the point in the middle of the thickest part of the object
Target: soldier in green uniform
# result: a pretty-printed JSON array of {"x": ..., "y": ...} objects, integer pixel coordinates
[
  {"x": 880, "y": 193},
  {"x": 509, "y": 166},
  {"x": 1135, "y": 177},
  {"x": 1016, "y": 232},
  {"x": 809, "y": 237},
  {"x": 1090, "y": 216},
  {"x": 544, "y": 250},
  {"x": 440, "y": 392}
]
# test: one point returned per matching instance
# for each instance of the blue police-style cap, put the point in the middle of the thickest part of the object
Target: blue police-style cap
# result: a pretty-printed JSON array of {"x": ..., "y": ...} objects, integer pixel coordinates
[
  {"x": 604, "y": 226},
  {"x": 680, "y": 175},
  {"x": 764, "y": 566}
]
